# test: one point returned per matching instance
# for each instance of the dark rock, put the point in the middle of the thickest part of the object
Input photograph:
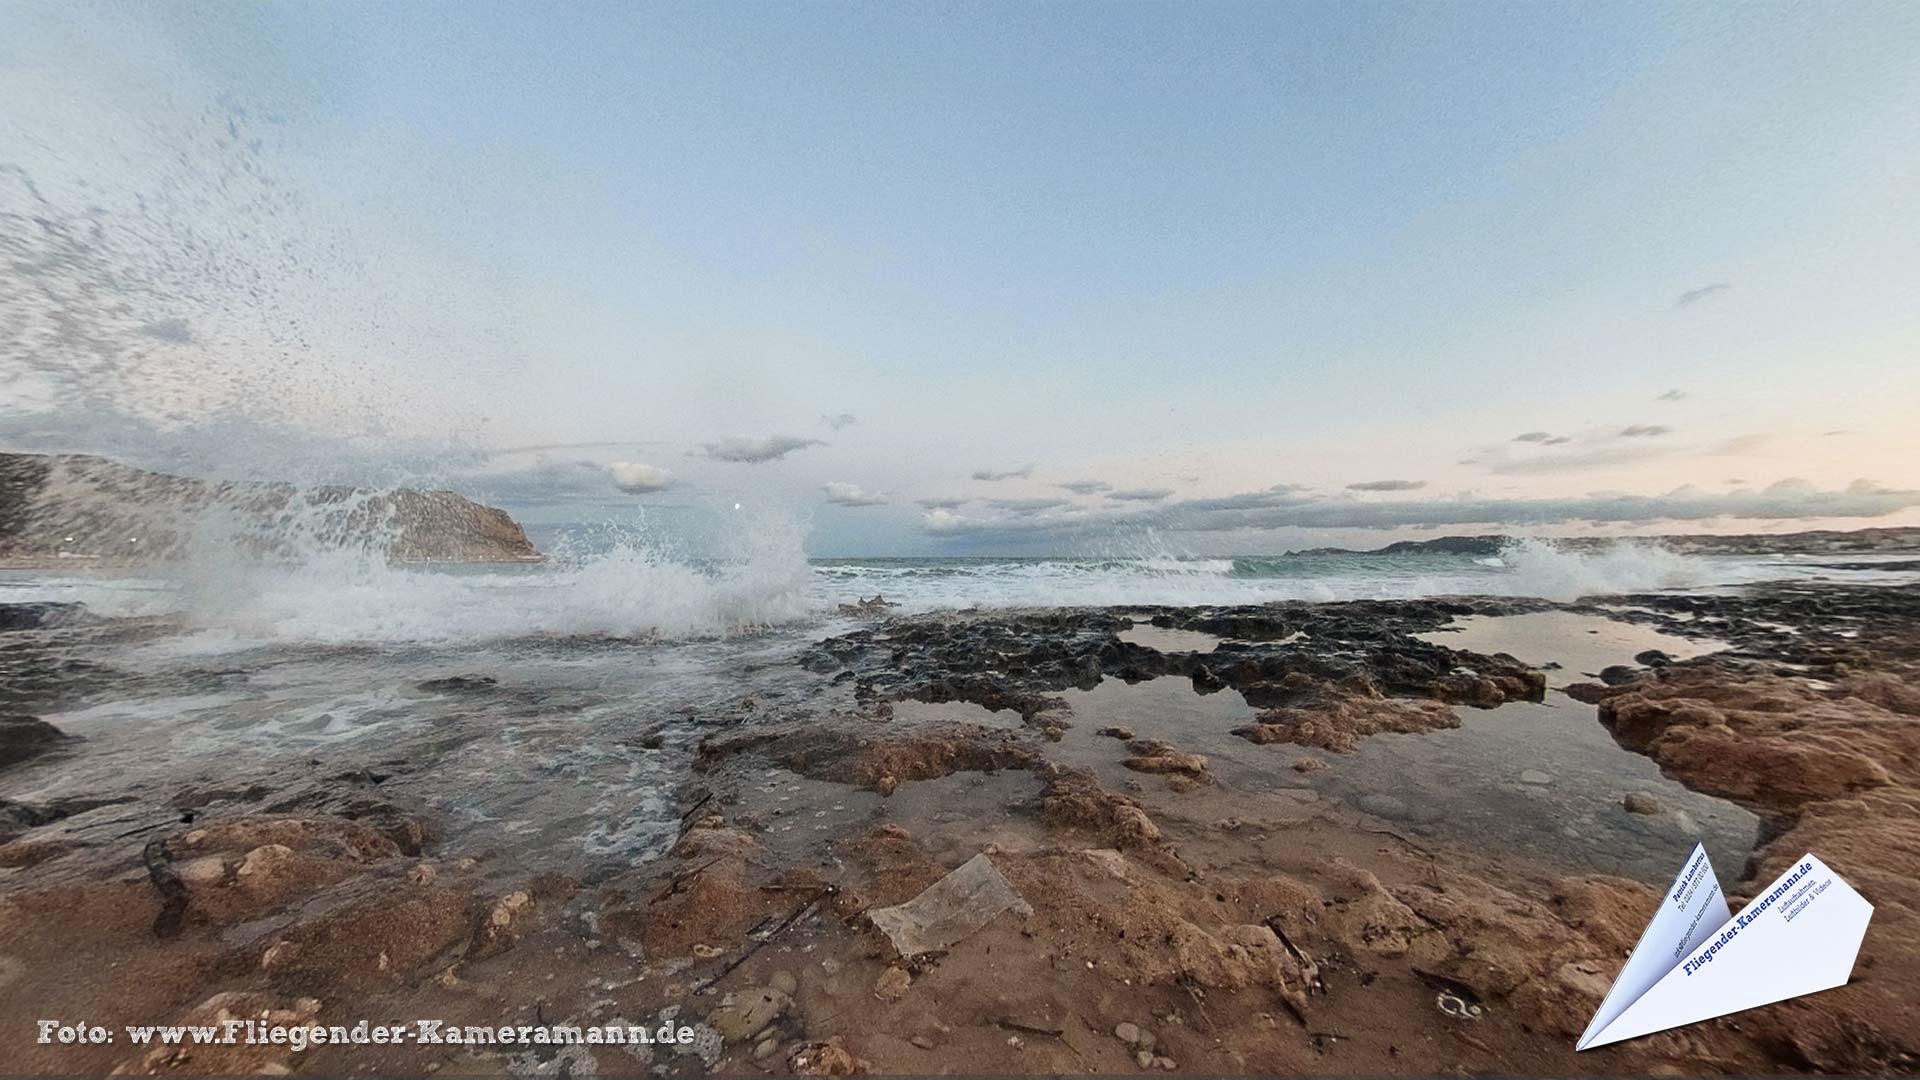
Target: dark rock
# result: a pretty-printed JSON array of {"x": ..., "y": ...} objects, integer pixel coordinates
[
  {"x": 460, "y": 684},
  {"x": 1618, "y": 675},
  {"x": 41, "y": 616},
  {"x": 23, "y": 737}
]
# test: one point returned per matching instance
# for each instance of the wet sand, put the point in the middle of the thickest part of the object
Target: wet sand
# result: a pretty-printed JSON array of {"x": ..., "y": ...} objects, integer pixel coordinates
[{"x": 1375, "y": 837}]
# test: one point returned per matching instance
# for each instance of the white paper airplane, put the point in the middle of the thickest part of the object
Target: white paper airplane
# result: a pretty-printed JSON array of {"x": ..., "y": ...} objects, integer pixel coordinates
[{"x": 1693, "y": 962}]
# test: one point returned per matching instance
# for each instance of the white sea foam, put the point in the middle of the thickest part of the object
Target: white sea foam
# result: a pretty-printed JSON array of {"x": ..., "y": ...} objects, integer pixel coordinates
[{"x": 629, "y": 583}]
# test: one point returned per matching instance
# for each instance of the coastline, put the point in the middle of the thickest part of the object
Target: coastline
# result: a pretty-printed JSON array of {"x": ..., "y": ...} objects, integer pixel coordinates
[{"x": 1222, "y": 911}]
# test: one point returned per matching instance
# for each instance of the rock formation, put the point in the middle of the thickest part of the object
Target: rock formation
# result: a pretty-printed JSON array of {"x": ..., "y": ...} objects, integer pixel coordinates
[{"x": 79, "y": 506}]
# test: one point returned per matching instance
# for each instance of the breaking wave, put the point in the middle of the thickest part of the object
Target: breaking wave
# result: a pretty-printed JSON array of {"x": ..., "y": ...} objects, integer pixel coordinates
[{"x": 1524, "y": 568}]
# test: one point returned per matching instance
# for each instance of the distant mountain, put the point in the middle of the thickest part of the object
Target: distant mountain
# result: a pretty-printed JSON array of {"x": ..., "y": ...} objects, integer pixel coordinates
[
  {"x": 1814, "y": 542},
  {"x": 79, "y": 506},
  {"x": 1445, "y": 545}
]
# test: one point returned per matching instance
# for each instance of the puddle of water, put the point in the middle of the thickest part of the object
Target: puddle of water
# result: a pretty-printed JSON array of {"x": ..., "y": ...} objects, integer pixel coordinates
[
  {"x": 1580, "y": 644},
  {"x": 909, "y": 711},
  {"x": 1544, "y": 781},
  {"x": 1168, "y": 640}
]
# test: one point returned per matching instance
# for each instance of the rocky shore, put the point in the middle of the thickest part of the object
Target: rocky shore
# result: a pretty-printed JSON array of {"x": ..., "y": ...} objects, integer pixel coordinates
[
  {"x": 65, "y": 509},
  {"x": 924, "y": 844}
]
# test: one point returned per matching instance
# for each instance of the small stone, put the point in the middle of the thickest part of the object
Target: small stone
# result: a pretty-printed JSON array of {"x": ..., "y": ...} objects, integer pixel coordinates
[
  {"x": 765, "y": 1048},
  {"x": 202, "y": 871},
  {"x": 922, "y": 1042},
  {"x": 1117, "y": 733},
  {"x": 705, "y": 951},
  {"x": 892, "y": 984},
  {"x": 748, "y": 1012},
  {"x": 264, "y": 860},
  {"x": 1308, "y": 764},
  {"x": 278, "y": 955},
  {"x": 1535, "y": 776},
  {"x": 1639, "y": 802},
  {"x": 1143, "y": 1058},
  {"x": 784, "y": 982},
  {"x": 1127, "y": 1032},
  {"x": 886, "y": 784},
  {"x": 1165, "y": 1063},
  {"x": 422, "y": 874},
  {"x": 504, "y": 913}
]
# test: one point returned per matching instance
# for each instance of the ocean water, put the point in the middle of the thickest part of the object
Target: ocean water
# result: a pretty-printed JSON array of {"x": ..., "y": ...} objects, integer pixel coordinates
[
  {"x": 260, "y": 669},
  {"x": 624, "y": 587}
]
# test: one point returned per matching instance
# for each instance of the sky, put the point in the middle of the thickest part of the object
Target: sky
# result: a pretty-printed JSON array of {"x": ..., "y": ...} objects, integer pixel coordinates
[{"x": 988, "y": 277}]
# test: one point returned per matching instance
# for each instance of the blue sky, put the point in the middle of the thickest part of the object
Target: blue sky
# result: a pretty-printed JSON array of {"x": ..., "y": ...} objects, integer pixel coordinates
[{"x": 1206, "y": 249}]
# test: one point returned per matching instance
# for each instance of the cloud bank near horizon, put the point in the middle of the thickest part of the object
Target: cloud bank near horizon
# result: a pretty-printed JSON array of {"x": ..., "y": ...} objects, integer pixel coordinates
[{"x": 1277, "y": 509}]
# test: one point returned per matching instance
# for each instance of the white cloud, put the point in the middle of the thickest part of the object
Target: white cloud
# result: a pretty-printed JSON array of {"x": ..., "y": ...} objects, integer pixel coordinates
[
  {"x": 636, "y": 478},
  {"x": 1085, "y": 487},
  {"x": 1020, "y": 473},
  {"x": 758, "y": 451},
  {"x": 1027, "y": 506},
  {"x": 1141, "y": 494},
  {"x": 841, "y": 493}
]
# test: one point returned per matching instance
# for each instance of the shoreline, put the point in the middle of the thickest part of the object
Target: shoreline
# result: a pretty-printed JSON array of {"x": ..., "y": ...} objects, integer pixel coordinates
[{"x": 1204, "y": 897}]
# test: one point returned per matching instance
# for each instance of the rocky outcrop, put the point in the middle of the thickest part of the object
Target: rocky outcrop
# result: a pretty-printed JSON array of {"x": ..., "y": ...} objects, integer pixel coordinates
[{"x": 78, "y": 506}]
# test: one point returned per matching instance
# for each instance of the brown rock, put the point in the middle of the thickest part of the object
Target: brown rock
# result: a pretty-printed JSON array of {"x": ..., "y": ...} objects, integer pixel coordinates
[
  {"x": 892, "y": 984},
  {"x": 830, "y": 1058}
]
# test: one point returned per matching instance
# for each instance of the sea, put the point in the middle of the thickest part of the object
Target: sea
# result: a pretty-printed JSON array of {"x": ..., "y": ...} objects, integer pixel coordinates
[{"x": 595, "y": 586}]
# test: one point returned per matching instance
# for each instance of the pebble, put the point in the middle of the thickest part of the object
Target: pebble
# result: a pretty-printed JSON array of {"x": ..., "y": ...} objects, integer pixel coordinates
[
  {"x": 748, "y": 1013},
  {"x": 1127, "y": 1032},
  {"x": 892, "y": 984},
  {"x": 784, "y": 982},
  {"x": 765, "y": 1048},
  {"x": 1535, "y": 776},
  {"x": 1143, "y": 1058},
  {"x": 1639, "y": 802},
  {"x": 922, "y": 1042}
]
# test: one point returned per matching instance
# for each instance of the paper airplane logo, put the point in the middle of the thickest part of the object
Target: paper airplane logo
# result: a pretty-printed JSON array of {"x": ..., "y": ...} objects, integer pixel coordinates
[{"x": 1695, "y": 962}]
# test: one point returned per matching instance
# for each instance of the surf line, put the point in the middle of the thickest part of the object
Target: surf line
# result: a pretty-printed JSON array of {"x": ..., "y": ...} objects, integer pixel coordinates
[{"x": 1747, "y": 917}]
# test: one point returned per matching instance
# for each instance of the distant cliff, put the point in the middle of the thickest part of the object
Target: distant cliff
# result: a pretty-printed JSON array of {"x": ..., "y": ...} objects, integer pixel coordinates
[{"x": 74, "y": 505}]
